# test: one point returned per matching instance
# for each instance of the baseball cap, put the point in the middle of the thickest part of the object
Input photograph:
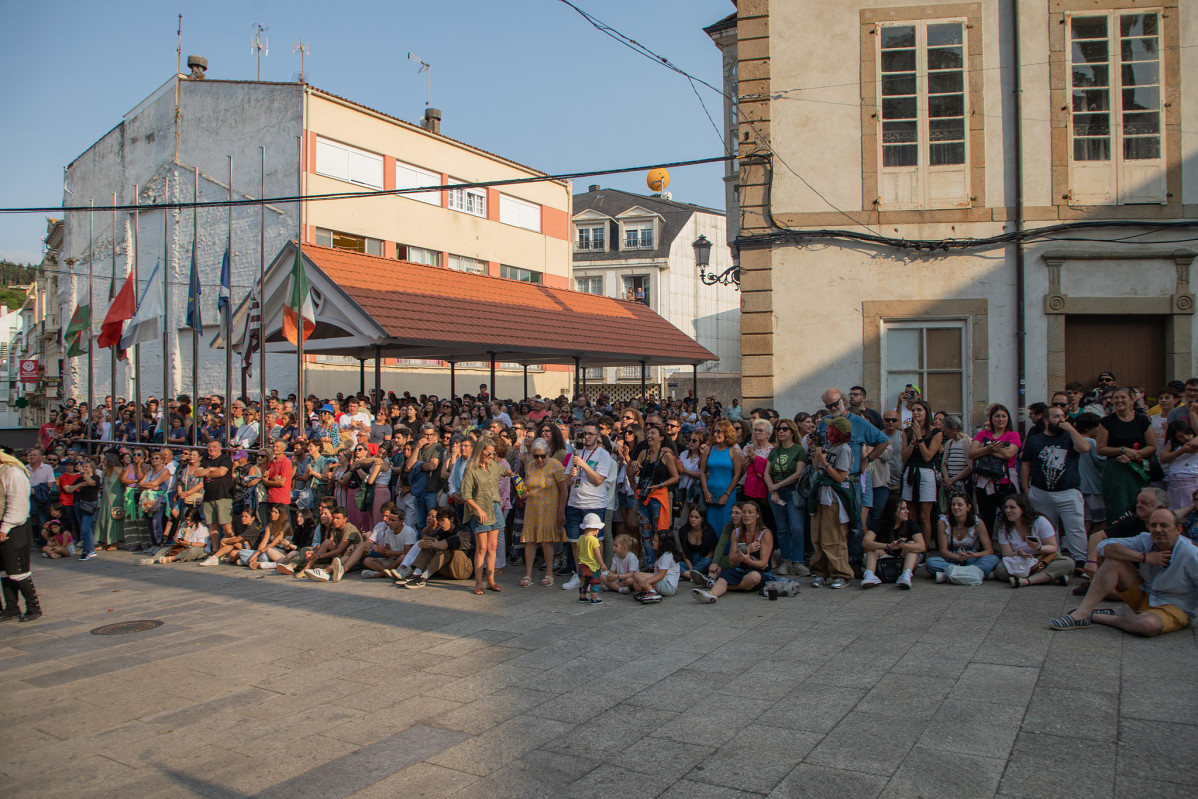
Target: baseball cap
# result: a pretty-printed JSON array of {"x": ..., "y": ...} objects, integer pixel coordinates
[
  {"x": 240, "y": 454},
  {"x": 326, "y": 408}
]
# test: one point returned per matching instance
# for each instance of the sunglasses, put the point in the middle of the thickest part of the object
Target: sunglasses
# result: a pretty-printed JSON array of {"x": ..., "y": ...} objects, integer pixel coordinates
[
  {"x": 540, "y": 457},
  {"x": 1060, "y": 405},
  {"x": 832, "y": 405}
]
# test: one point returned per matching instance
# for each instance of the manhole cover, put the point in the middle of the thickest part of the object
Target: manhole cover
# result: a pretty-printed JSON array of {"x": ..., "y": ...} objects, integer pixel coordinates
[{"x": 123, "y": 627}]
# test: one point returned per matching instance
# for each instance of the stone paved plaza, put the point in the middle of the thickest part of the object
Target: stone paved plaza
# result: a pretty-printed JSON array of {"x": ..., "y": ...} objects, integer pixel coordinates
[{"x": 270, "y": 686}]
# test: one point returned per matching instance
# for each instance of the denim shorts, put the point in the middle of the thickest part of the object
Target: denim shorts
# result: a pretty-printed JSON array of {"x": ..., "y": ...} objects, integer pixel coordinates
[
  {"x": 496, "y": 521},
  {"x": 736, "y": 575}
]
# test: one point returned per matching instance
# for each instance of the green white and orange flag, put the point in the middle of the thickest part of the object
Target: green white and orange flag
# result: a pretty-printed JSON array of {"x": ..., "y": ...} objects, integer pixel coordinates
[{"x": 299, "y": 310}]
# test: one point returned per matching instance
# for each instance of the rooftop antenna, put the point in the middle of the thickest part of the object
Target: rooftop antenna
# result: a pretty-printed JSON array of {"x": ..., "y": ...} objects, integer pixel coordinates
[
  {"x": 303, "y": 48},
  {"x": 426, "y": 68},
  {"x": 260, "y": 45}
]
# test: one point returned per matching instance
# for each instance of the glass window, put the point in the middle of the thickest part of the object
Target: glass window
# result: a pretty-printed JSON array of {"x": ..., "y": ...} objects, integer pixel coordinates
[
  {"x": 589, "y": 285},
  {"x": 412, "y": 177},
  {"x": 516, "y": 273},
  {"x": 462, "y": 263},
  {"x": 638, "y": 235},
  {"x": 418, "y": 255},
  {"x": 592, "y": 237},
  {"x": 340, "y": 161},
  {"x": 470, "y": 201},
  {"x": 930, "y": 355}
]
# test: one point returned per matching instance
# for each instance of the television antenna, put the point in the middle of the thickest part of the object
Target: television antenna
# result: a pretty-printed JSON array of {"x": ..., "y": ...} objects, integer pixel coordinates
[
  {"x": 427, "y": 69},
  {"x": 303, "y": 48},
  {"x": 260, "y": 45}
]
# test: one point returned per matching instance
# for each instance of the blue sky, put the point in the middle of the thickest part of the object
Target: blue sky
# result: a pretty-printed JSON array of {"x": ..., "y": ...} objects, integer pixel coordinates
[{"x": 528, "y": 79}]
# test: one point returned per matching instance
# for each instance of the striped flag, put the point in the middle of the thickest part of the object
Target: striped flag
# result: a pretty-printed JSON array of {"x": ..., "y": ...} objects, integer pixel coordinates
[
  {"x": 222, "y": 297},
  {"x": 299, "y": 313},
  {"x": 251, "y": 341},
  {"x": 143, "y": 326}
]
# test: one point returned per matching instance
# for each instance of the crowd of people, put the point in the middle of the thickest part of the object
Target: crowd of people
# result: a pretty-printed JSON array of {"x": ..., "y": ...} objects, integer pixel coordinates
[{"x": 633, "y": 497}]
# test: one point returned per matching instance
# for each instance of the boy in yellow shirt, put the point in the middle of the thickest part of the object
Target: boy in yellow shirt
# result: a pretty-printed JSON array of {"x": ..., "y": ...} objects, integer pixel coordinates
[{"x": 590, "y": 559}]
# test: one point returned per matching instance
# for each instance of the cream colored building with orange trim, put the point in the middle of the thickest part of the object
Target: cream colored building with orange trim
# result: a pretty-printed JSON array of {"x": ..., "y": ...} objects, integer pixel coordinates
[{"x": 194, "y": 124}]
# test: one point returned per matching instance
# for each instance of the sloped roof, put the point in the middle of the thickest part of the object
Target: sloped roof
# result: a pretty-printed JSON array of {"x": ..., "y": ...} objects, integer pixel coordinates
[
  {"x": 613, "y": 202},
  {"x": 416, "y": 311}
]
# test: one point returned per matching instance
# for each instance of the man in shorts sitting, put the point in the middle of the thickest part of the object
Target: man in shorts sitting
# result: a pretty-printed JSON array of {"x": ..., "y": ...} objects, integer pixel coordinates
[{"x": 1155, "y": 573}]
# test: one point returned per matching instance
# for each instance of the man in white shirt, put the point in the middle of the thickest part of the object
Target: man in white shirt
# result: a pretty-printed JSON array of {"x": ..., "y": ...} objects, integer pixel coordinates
[
  {"x": 588, "y": 471},
  {"x": 354, "y": 417},
  {"x": 246, "y": 435},
  {"x": 41, "y": 474},
  {"x": 388, "y": 543}
]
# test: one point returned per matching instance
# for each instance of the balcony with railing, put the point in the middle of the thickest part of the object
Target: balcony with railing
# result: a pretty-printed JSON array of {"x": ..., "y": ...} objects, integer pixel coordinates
[{"x": 590, "y": 245}]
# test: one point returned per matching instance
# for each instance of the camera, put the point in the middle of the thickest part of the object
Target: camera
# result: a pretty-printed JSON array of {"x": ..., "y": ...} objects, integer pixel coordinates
[
  {"x": 819, "y": 440},
  {"x": 579, "y": 442}
]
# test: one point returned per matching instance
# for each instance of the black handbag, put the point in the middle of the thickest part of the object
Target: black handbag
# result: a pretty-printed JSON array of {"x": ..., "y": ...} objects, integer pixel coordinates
[
  {"x": 889, "y": 569},
  {"x": 990, "y": 466}
]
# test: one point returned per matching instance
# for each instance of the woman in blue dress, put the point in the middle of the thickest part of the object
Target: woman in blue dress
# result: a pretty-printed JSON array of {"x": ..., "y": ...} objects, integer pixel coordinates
[{"x": 720, "y": 470}]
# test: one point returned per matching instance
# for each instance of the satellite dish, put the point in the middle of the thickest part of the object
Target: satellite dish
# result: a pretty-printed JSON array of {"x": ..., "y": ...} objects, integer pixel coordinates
[{"x": 658, "y": 179}]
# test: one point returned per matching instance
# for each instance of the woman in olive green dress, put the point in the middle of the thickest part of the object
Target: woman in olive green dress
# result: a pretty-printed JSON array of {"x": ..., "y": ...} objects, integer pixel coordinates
[{"x": 110, "y": 532}]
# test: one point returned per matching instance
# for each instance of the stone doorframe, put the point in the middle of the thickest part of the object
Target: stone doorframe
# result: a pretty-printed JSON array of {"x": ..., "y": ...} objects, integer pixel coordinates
[
  {"x": 974, "y": 311},
  {"x": 1177, "y": 308}
]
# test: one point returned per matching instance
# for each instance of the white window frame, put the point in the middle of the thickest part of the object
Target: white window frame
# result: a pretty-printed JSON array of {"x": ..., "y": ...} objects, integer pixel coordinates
[
  {"x": 521, "y": 274},
  {"x": 467, "y": 200},
  {"x": 350, "y": 164},
  {"x": 580, "y": 280},
  {"x": 587, "y": 242},
  {"x": 628, "y": 225},
  {"x": 1117, "y": 180},
  {"x": 409, "y": 176},
  {"x": 417, "y": 255},
  {"x": 923, "y": 186},
  {"x": 464, "y": 263},
  {"x": 963, "y": 324},
  {"x": 371, "y": 246},
  {"x": 519, "y": 213}
]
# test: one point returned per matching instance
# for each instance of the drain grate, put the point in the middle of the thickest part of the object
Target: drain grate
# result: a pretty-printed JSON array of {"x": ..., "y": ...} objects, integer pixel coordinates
[{"x": 125, "y": 627}]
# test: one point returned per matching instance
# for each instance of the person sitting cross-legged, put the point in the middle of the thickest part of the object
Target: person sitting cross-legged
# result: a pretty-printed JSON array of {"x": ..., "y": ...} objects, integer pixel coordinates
[
  {"x": 446, "y": 549},
  {"x": 388, "y": 542},
  {"x": 339, "y": 537},
  {"x": 1155, "y": 573}
]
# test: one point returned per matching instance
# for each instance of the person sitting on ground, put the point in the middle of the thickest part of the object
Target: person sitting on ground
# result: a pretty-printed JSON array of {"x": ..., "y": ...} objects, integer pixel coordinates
[
  {"x": 188, "y": 544},
  {"x": 962, "y": 540},
  {"x": 1029, "y": 547},
  {"x": 447, "y": 551},
  {"x": 277, "y": 542},
  {"x": 698, "y": 543},
  {"x": 624, "y": 566},
  {"x": 59, "y": 541},
  {"x": 338, "y": 538},
  {"x": 389, "y": 542},
  {"x": 895, "y": 535},
  {"x": 248, "y": 538},
  {"x": 650, "y": 587},
  {"x": 752, "y": 545},
  {"x": 1155, "y": 573},
  {"x": 1130, "y": 526}
]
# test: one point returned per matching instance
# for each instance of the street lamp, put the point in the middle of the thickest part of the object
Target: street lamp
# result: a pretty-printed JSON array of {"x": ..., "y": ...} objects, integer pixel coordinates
[{"x": 729, "y": 277}]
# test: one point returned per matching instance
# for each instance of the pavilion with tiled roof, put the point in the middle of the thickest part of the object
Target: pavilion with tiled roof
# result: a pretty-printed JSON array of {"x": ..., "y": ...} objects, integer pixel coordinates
[{"x": 372, "y": 308}]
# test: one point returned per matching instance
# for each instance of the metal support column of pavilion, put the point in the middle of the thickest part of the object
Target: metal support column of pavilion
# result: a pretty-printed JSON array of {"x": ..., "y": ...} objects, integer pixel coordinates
[
  {"x": 575, "y": 377},
  {"x": 644, "y": 398},
  {"x": 491, "y": 354},
  {"x": 362, "y": 376},
  {"x": 378, "y": 377},
  {"x": 525, "y": 381},
  {"x": 453, "y": 378}
]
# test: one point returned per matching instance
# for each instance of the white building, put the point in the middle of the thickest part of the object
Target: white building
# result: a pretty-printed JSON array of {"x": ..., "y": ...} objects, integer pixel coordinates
[
  {"x": 641, "y": 247},
  {"x": 10, "y": 343}
]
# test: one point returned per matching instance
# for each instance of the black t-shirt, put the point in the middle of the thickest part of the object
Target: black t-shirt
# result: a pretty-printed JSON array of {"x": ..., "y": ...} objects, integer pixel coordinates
[
  {"x": 218, "y": 487},
  {"x": 1127, "y": 527},
  {"x": 1053, "y": 461},
  {"x": 1125, "y": 434},
  {"x": 886, "y": 535},
  {"x": 705, "y": 547},
  {"x": 871, "y": 416}
]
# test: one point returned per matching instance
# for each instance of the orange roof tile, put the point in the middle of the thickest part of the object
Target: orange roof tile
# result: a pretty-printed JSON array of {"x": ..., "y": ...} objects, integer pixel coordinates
[{"x": 431, "y": 306}]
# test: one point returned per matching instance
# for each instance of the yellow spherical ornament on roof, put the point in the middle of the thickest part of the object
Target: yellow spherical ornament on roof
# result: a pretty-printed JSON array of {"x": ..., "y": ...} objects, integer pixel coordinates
[{"x": 658, "y": 179}]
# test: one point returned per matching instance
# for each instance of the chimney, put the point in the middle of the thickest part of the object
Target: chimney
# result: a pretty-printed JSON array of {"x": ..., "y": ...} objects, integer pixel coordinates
[
  {"x": 432, "y": 120},
  {"x": 593, "y": 187},
  {"x": 198, "y": 66}
]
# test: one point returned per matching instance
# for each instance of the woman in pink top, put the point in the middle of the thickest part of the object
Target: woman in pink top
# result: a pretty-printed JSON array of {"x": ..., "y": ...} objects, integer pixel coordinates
[{"x": 997, "y": 440}]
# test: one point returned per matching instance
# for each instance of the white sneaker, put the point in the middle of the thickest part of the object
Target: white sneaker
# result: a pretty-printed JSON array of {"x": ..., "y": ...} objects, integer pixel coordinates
[
  {"x": 572, "y": 583},
  {"x": 705, "y": 597},
  {"x": 941, "y": 577},
  {"x": 904, "y": 581},
  {"x": 625, "y": 590},
  {"x": 869, "y": 580},
  {"x": 336, "y": 570},
  {"x": 211, "y": 560},
  {"x": 367, "y": 574},
  {"x": 799, "y": 569},
  {"x": 146, "y": 561},
  {"x": 319, "y": 575},
  {"x": 783, "y": 568}
]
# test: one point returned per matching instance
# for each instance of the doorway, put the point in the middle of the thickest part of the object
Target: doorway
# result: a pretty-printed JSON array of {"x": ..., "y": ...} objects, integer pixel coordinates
[{"x": 1133, "y": 347}]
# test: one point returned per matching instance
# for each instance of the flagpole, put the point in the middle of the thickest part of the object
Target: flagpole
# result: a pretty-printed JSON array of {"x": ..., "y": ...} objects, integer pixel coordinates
[
  {"x": 137, "y": 297},
  {"x": 91, "y": 388},
  {"x": 193, "y": 290},
  {"x": 166, "y": 311},
  {"x": 262, "y": 287},
  {"x": 111, "y": 297},
  {"x": 229, "y": 308},
  {"x": 299, "y": 244}
]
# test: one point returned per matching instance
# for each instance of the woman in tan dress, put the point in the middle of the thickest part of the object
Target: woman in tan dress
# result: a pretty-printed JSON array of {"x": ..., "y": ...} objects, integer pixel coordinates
[{"x": 544, "y": 509}]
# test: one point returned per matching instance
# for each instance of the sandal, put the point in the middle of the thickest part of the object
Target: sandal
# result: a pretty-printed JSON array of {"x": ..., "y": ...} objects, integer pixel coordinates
[
  {"x": 110, "y": 548},
  {"x": 1018, "y": 582},
  {"x": 547, "y": 580},
  {"x": 525, "y": 582},
  {"x": 479, "y": 592},
  {"x": 494, "y": 587}
]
